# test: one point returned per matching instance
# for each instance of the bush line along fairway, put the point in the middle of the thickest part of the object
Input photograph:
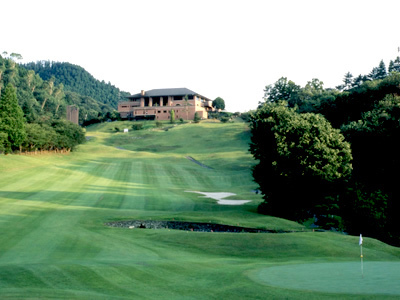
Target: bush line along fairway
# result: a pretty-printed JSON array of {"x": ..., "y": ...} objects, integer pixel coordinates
[{"x": 53, "y": 208}]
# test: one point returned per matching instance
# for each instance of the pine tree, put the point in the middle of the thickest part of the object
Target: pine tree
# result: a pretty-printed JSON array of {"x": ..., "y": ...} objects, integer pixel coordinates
[
  {"x": 358, "y": 81},
  {"x": 381, "y": 71},
  {"x": 347, "y": 82},
  {"x": 12, "y": 120},
  {"x": 394, "y": 66},
  {"x": 373, "y": 75},
  {"x": 391, "y": 66}
]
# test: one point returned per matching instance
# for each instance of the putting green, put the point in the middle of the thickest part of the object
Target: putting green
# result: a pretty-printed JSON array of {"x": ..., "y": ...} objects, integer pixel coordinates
[{"x": 345, "y": 277}]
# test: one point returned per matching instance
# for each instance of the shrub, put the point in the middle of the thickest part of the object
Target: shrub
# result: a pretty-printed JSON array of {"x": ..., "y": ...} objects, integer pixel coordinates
[
  {"x": 246, "y": 116},
  {"x": 137, "y": 126},
  {"x": 196, "y": 117},
  {"x": 225, "y": 119}
]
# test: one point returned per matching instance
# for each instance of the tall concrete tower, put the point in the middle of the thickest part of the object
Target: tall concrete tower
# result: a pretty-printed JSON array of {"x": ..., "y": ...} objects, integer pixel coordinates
[{"x": 73, "y": 114}]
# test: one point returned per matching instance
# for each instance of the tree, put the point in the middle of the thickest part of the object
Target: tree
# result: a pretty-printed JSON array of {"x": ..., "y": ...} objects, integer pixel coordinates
[
  {"x": 314, "y": 87},
  {"x": 381, "y": 71},
  {"x": 69, "y": 135},
  {"x": 375, "y": 147},
  {"x": 283, "y": 89},
  {"x": 172, "y": 116},
  {"x": 2, "y": 69},
  {"x": 378, "y": 72},
  {"x": 373, "y": 75},
  {"x": 33, "y": 136},
  {"x": 310, "y": 95},
  {"x": 78, "y": 80},
  {"x": 48, "y": 138},
  {"x": 394, "y": 66},
  {"x": 347, "y": 82},
  {"x": 391, "y": 66},
  {"x": 58, "y": 96},
  {"x": 16, "y": 56},
  {"x": 3, "y": 139},
  {"x": 48, "y": 90},
  {"x": 302, "y": 160},
  {"x": 359, "y": 80},
  {"x": 219, "y": 103},
  {"x": 40, "y": 137},
  {"x": 11, "y": 120}
]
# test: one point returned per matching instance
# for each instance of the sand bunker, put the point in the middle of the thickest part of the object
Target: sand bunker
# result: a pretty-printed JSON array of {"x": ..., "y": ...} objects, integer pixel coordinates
[{"x": 220, "y": 198}]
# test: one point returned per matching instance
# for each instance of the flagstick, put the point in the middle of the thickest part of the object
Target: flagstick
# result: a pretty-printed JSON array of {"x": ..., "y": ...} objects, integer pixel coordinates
[{"x": 362, "y": 269}]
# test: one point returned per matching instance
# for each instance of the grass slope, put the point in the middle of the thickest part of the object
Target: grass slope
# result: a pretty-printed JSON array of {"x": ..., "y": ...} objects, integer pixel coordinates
[{"x": 54, "y": 245}]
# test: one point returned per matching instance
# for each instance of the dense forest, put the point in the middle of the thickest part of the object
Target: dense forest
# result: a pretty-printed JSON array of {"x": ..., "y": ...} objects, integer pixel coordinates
[
  {"x": 33, "y": 111},
  {"x": 330, "y": 156},
  {"x": 76, "y": 79},
  {"x": 49, "y": 95}
]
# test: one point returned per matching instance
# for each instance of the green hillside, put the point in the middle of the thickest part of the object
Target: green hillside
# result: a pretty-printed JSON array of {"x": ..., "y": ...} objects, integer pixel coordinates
[
  {"x": 76, "y": 79},
  {"x": 44, "y": 95},
  {"x": 54, "y": 243}
]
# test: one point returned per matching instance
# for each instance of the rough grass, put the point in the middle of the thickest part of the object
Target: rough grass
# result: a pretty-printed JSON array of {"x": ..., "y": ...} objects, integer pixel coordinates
[{"x": 54, "y": 244}]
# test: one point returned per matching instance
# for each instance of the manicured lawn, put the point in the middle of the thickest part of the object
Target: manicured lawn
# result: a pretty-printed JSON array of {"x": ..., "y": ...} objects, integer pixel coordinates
[
  {"x": 336, "y": 277},
  {"x": 54, "y": 244}
]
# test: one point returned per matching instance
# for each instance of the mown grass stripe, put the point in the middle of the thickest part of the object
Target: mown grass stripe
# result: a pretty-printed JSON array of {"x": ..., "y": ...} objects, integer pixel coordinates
[{"x": 54, "y": 244}]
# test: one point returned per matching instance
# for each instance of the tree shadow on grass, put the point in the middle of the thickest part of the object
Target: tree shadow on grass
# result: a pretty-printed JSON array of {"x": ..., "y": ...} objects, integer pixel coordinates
[{"x": 132, "y": 199}]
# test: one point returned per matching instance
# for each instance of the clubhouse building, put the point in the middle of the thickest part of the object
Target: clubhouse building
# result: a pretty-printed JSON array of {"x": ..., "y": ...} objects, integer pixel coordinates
[{"x": 157, "y": 104}]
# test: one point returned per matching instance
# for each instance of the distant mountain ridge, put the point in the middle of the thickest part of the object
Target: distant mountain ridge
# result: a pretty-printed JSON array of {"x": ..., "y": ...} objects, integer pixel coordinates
[{"x": 76, "y": 79}]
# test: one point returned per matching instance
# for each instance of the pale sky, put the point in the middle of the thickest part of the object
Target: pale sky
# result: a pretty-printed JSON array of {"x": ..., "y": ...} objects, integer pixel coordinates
[{"x": 229, "y": 49}]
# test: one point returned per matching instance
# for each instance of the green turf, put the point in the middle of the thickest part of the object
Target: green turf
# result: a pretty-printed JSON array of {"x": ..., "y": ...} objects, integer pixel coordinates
[
  {"x": 54, "y": 244},
  {"x": 346, "y": 277}
]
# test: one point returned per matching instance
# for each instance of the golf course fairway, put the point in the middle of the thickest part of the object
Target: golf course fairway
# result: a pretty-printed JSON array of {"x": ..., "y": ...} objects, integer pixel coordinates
[{"x": 55, "y": 244}]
